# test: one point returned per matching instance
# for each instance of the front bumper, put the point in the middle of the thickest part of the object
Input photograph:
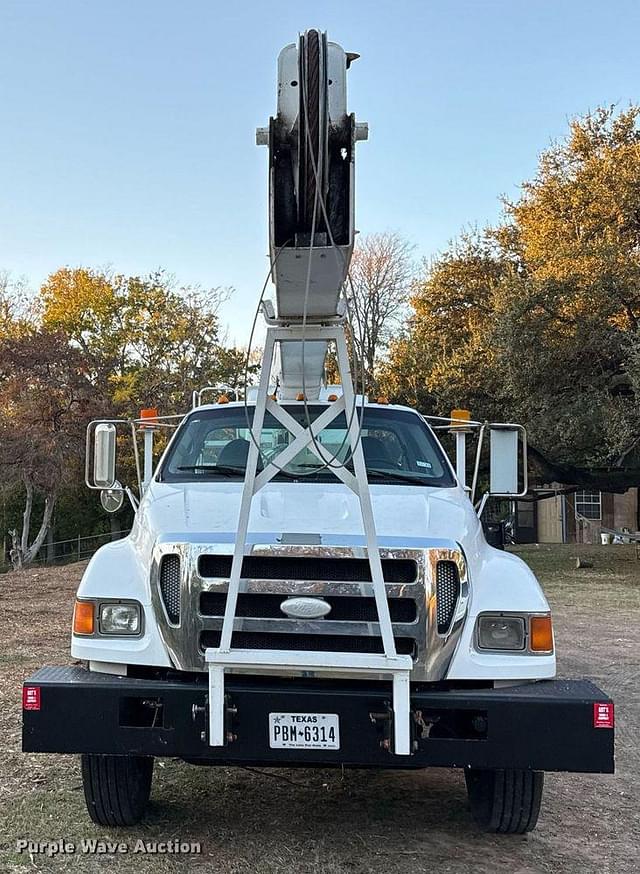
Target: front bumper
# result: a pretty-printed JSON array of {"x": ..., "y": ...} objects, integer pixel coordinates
[{"x": 550, "y": 725}]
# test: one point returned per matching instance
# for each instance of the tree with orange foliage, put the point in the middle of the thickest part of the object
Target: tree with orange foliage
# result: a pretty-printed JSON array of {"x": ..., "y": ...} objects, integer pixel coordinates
[{"x": 537, "y": 319}]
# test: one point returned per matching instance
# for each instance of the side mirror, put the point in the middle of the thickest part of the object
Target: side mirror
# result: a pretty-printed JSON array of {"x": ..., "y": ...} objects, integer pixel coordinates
[
  {"x": 104, "y": 456},
  {"x": 112, "y": 499},
  {"x": 505, "y": 461}
]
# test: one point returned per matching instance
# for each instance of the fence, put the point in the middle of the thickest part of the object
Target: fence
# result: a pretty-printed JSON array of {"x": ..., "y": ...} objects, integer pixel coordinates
[{"x": 64, "y": 551}]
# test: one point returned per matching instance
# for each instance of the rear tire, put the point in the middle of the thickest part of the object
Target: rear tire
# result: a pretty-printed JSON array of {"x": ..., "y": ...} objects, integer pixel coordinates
[
  {"x": 116, "y": 788},
  {"x": 507, "y": 802}
]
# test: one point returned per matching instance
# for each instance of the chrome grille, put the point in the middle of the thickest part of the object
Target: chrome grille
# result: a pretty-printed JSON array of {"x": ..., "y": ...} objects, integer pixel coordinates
[
  {"x": 424, "y": 583},
  {"x": 170, "y": 586},
  {"x": 447, "y": 593}
]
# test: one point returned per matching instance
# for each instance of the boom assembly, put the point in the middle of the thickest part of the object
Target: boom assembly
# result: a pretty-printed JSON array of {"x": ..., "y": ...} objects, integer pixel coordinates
[
  {"x": 307, "y": 579},
  {"x": 311, "y": 181}
]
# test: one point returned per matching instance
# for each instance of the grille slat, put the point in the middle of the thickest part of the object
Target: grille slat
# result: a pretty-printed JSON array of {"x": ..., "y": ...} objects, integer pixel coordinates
[
  {"x": 344, "y": 608},
  {"x": 288, "y": 567},
  {"x": 447, "y": 593},
  {"x": 306, "y": 642},
  {"x": 170, "y": 586}
]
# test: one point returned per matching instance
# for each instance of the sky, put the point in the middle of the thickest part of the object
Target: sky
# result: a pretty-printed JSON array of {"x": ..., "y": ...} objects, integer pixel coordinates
[{"x": 127, "y": 133}]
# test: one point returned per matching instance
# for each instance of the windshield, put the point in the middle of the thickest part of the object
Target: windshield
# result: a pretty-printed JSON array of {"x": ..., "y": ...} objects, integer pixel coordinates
[{"x": 398, "y": 447}]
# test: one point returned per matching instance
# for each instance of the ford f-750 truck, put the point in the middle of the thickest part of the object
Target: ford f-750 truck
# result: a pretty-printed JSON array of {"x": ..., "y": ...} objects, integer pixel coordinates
[{"x": 307, "y": 581}]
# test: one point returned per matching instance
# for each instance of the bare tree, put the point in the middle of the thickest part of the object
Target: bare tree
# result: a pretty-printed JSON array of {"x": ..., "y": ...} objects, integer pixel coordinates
[
  {"x": 17, "y": 306},
  {"x": 45, "y": 401},
  {"x": 382, "y": 269}
]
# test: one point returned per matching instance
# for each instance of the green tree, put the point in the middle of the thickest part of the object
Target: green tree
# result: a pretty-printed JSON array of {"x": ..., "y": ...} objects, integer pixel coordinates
[
  {"x": 150, "y": 343},
  {"x": 445, "y": 356},
  {"x": 93, "y": 344}
]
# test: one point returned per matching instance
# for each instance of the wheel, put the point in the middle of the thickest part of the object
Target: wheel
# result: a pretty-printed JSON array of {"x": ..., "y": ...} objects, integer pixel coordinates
[
  {"x": 116, "y": 788},
  {"x": 505, "y": 801}
]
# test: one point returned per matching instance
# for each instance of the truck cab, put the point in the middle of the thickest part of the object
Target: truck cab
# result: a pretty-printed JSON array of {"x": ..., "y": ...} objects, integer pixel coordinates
[
  {"x": 306, "y": 539},
  {"x": 472, "y": 619}
]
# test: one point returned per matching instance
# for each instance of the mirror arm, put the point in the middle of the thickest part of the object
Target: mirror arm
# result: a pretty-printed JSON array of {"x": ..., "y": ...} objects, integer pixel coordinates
[
  {"x": 525, "y": 463},
  {"x": 87, "y": 450},
  {"x": 132, "y": 499},
  {"x": 136, "y": 455},
  {"x": 476, "y": 466},
  {"x": 482, "y": 504}
]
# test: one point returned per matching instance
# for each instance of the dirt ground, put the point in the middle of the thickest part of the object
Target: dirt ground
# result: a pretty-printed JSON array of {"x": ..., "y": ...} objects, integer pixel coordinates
[{"x": 329, "y": 821}]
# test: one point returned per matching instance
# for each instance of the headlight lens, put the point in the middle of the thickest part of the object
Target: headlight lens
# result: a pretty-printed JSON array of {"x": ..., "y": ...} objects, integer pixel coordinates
[
  {"x": 501, "y": 632},
  {"x": 120, "y": 619}
]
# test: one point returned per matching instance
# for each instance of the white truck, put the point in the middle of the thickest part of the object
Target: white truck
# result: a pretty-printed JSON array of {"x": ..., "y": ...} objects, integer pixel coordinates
[{"x": 307, "y": 580}]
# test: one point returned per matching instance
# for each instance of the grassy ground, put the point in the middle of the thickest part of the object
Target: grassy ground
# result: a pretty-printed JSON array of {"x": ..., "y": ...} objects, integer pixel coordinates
[{"x": 329, "y": 821}]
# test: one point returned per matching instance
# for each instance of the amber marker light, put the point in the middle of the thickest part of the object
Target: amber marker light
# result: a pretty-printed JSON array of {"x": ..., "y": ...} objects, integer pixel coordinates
[
  {"x": 459, "y": 418},
  {"x": 541, "y": 634},
  {"x": 223, "y": 399},
  {"x": 83, "y": 617},
  {"x": 149, "y": 417}
]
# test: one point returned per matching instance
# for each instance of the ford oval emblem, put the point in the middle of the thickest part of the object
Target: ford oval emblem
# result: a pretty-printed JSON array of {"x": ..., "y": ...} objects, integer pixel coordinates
[{"x": 305, "y": 608}]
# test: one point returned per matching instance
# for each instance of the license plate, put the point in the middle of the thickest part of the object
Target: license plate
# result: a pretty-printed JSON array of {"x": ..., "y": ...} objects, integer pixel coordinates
[{"x": 304, "y": 731}]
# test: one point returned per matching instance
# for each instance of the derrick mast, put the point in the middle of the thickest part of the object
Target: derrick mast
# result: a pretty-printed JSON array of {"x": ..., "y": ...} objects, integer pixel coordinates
[{"x": 311, "y": 144}]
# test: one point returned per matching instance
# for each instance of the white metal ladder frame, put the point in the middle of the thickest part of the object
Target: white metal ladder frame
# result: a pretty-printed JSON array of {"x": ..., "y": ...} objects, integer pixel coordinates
[{"x": 223, "y": 657}]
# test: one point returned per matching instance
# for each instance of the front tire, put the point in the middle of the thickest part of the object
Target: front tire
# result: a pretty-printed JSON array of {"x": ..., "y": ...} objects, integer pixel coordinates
[
  {"x": 506, "y": 801},
  {"x": 116, "y": 788}
]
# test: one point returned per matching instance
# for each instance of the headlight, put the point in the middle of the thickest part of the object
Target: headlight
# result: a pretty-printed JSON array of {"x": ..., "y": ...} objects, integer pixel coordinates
[
  {"x": 501, "y": 632},
  {"x": 120, "y": 619}
]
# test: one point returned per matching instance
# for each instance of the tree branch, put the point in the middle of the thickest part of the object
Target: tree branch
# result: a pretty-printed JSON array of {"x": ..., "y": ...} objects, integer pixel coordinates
[
  {"x": 49, "y": 504},
  {"x": 615, "y": 480},
  {"x": 26, "y": 516}
]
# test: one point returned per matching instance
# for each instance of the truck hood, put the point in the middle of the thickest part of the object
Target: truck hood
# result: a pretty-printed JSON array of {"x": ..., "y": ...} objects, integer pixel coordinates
[{"x": 209, "y": 511}]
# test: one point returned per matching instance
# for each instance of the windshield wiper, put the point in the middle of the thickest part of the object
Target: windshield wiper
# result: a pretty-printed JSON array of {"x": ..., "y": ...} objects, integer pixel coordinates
[
  {"x": 225, "y": 470},
  {"x": 396, "y": 476},
  {"x": 228, "y": 470},
  {"x": 391, "y": 475}
]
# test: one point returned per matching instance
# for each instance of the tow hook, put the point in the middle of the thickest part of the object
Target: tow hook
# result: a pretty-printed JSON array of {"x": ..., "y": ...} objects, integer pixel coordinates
[
  {"x": 423, "y": 726},
  {"x": 383, "y": 721},
  {"x": 230, "y": 712},
  {"x": 202, "y": 710},
  {"x": 196, "y": 710}
]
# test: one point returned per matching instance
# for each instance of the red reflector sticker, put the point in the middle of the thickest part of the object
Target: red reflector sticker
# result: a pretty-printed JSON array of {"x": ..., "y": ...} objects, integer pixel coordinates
[
  {"x": 603, "y": 714},
  {"x": 31, "y": 698}
]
